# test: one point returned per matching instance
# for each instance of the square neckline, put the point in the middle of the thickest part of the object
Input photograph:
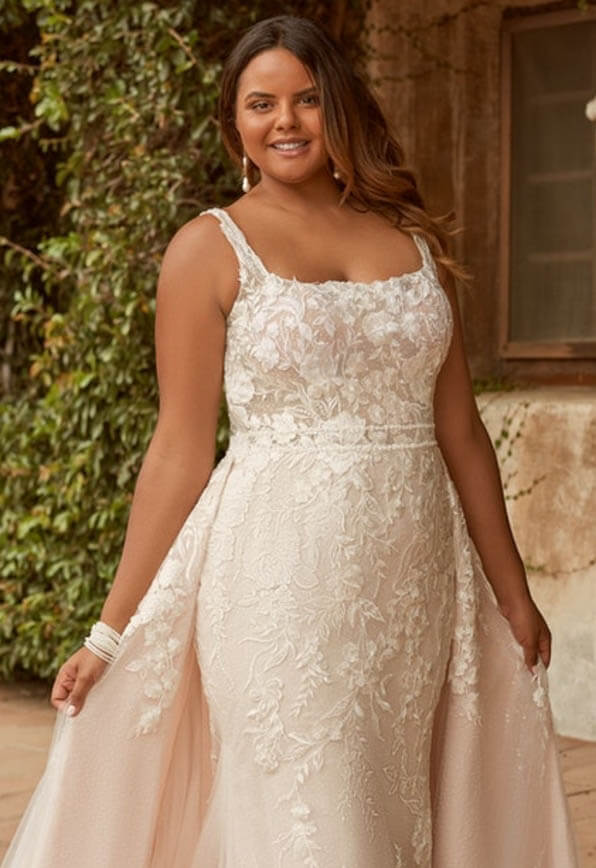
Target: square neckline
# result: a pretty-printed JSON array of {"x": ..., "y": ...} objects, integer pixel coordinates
[{"x": 418, "y": 272}]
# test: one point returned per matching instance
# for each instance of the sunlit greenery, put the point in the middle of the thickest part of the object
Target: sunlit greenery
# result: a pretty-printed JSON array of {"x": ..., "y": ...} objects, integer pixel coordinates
[{"x": 109, "y": 143}]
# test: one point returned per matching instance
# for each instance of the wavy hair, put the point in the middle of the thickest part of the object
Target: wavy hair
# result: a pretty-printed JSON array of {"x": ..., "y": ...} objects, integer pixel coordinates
[{"x": 355, "y": 132}]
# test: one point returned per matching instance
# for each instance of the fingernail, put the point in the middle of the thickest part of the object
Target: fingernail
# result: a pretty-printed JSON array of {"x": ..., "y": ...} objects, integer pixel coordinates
[{"x": 70, "y": 710}]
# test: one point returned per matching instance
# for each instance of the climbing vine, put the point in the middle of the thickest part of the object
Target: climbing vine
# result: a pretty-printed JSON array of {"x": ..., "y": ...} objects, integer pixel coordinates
[{"x": 109, "y": 143}]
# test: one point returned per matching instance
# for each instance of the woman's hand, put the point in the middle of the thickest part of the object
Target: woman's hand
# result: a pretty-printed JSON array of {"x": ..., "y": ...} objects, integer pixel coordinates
[
  {"x": 530, "y": 629},
  {"x": 75, "y": 679}
]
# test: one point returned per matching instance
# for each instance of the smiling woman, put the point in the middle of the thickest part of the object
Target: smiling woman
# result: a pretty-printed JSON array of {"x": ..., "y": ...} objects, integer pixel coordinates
[
  {"x": 292, "y": 111},
  {"x": 337, "y": 662},
  {"x": 268, "y": 121}
]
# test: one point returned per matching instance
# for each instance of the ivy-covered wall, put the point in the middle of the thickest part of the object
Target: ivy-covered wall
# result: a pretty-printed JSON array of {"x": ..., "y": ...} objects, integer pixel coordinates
[{"x": 109, "y": 142}]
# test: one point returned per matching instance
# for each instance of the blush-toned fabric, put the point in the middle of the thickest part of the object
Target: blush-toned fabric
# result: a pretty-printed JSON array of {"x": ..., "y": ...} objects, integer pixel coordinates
[{"x": 318, "y": 675}]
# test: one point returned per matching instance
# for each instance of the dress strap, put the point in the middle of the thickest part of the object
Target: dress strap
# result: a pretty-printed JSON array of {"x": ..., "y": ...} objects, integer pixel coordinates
[
  {"x": 428, "y": 261},
  {"x": 247, "y": 259}
]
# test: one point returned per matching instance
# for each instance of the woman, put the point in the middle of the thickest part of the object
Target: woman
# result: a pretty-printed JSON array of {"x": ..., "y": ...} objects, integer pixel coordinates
[{"x": 324, "y": 652}]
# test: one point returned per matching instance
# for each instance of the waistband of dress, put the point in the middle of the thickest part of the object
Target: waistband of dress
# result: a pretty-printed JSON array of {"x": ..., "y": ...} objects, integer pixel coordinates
[{"x": 399, "y": 436}]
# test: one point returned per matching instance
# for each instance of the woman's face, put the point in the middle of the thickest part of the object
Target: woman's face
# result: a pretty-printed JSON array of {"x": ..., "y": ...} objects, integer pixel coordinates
[{"x": 277, "y": 101}]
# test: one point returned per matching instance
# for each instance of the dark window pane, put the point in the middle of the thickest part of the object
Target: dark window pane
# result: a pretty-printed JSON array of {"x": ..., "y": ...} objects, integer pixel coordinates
[
  {"x": 552, "y": 302},
  {"x": 560, "y": 139},
  {"x": 555, "y": 216},
  {"x": 553, "y": 184},
  {"x": 554, "y": 59}
]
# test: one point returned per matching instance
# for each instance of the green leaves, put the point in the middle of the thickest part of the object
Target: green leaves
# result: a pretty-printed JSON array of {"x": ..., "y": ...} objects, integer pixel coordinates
[
  {"x": 114, "y": 105},
  {"x": 119, "y": 84},
  {"x": 10, "y": 133},
  {"x": 51, "y": 107}
]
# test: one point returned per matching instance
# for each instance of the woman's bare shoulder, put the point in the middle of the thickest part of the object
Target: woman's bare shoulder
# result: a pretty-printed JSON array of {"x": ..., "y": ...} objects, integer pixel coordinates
[
  {"x": 201, "y": 235},
  {"x": 199, "y": 255}
]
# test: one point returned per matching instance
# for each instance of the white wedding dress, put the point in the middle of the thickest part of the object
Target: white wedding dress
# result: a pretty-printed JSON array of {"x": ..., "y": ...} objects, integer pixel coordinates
[{"x": 318, "y": 674}]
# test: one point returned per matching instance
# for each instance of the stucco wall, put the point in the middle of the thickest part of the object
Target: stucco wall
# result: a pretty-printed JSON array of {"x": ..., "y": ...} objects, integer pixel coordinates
[{"x": 547, "y": 457}]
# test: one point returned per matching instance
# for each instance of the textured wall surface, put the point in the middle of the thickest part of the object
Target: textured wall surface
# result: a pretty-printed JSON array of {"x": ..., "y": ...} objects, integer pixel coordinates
[
  {"x": 548, "y": 465},
  {"x": 438, "y": 71}
]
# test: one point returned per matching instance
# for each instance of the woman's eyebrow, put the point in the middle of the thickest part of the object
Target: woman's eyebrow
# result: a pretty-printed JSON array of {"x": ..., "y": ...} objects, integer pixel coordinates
[{"x": 254, "y": 93}]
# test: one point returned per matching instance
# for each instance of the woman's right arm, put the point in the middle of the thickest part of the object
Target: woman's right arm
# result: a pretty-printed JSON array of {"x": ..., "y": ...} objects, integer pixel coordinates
[{"x": 190, "y": 331}]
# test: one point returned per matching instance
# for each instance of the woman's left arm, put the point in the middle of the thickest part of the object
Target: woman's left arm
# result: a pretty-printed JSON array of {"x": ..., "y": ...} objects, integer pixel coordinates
[{"x": 472, "y": 464}]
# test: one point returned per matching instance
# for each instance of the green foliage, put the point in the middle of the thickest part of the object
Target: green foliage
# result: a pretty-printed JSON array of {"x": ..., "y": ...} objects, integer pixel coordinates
[
  {"x": 512, "y": 429},
  {"x": 492, "y": 384},
  {"x": 113, "y": 107}
]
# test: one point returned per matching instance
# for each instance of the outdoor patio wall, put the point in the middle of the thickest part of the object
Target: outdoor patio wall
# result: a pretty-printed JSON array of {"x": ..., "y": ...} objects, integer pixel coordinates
[
  {"x": 437, "y": 66},
  {"x": 547, "y": 457}
]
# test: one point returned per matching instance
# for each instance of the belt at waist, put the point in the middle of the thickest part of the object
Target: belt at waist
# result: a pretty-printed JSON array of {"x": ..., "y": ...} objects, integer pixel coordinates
[{"x": 403, "y": 436}]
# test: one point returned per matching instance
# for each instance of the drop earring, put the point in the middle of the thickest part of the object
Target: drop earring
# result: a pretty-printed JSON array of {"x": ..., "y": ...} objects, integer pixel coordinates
[
  {"x": 245, "y": 182},
  {"x": 336, "y": 173}
]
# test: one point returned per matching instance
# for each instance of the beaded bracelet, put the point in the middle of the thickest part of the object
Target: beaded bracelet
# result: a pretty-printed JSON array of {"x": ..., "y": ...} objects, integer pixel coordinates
[{"x": 103, "y": 641}]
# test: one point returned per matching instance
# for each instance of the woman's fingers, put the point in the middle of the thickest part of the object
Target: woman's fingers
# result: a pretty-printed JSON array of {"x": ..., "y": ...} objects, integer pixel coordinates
[
  {"x": 76, "y": 700},
  {"x": 74, "y": 681},
  {"x": 544, "y": 646},
  {"x": 530, "y": 656},
  {"x": 529, "y": 646},
  {"x": 530, "y": 630},
  {"x": 63, "y": 684}
]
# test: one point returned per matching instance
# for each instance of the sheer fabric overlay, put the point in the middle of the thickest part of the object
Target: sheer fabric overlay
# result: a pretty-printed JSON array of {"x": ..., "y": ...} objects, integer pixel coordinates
[{"x": 318, "y": 674}]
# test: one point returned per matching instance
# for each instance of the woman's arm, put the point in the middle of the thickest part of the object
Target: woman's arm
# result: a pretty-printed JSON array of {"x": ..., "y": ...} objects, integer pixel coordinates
[
  {"x": 473, "y": 466},
  {"x": 189, "y": 344},
  {"x": 190, "y": 330}
]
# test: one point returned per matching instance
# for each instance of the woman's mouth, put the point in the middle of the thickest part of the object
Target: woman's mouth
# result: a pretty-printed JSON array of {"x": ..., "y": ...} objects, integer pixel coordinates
[{"x": 290, "y": 148}]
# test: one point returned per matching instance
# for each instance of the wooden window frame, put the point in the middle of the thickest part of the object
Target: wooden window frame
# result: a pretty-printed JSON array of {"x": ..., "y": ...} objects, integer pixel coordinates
[{"x": 509, "y": 349}]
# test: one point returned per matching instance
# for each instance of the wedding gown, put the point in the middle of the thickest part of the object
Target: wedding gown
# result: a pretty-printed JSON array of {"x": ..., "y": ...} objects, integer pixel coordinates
[{"x": 318, "y": 674}]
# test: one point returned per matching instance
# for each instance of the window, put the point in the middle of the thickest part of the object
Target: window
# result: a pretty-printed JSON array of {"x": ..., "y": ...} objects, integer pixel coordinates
[{"x": 548, "y": 209}]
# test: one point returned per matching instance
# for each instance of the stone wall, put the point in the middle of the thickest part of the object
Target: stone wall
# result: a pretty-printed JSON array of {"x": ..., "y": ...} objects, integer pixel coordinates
[{"x": 546, "y": 444}]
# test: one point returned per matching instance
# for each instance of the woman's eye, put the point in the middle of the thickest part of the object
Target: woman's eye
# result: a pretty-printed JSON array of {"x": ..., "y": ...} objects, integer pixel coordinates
[{"x": 312, "y": 99}]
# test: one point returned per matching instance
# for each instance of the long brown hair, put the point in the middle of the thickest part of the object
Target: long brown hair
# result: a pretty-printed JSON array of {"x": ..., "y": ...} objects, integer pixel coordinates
[{"x": 356, "y": 134}]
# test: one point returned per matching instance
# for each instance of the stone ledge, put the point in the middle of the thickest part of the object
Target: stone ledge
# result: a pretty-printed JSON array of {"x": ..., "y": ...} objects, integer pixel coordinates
[{"x": 548, "y": 466}]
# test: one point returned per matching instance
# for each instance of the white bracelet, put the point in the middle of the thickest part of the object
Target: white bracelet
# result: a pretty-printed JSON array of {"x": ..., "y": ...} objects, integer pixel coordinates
[{"x": 103, "y": 641}]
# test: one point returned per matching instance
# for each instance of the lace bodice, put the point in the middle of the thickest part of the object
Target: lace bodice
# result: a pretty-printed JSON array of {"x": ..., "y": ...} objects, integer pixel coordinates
[
  {"x": 318, "y": 675},
  {"x": 334, "y": 358},
  {"x": 335, "y": 592}
]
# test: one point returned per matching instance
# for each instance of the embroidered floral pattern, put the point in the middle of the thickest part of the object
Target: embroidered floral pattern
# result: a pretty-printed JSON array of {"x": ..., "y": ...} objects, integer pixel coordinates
[
  {"x": 338, "y": 585},
  {"x": 170, "y": 601},
  {"x": 324, "y": 648}
]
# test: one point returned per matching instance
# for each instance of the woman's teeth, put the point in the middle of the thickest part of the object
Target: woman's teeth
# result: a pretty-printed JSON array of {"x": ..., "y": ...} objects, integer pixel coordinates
[{"x": 289, "y": 146}]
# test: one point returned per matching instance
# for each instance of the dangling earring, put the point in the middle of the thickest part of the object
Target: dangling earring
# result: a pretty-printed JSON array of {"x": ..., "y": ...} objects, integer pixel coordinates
[
  {"x": 245, "y": 182},
  {"x": 336, "y": 173}
]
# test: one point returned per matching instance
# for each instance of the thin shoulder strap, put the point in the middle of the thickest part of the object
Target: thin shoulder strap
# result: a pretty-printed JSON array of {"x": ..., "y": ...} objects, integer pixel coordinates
[
  {"x": 247, "y": 258},
  {"x": 428, "y": 261}
]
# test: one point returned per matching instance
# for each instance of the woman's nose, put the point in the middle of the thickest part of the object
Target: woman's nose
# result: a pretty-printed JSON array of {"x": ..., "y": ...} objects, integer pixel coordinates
[{"x": 286, "y": 115}]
